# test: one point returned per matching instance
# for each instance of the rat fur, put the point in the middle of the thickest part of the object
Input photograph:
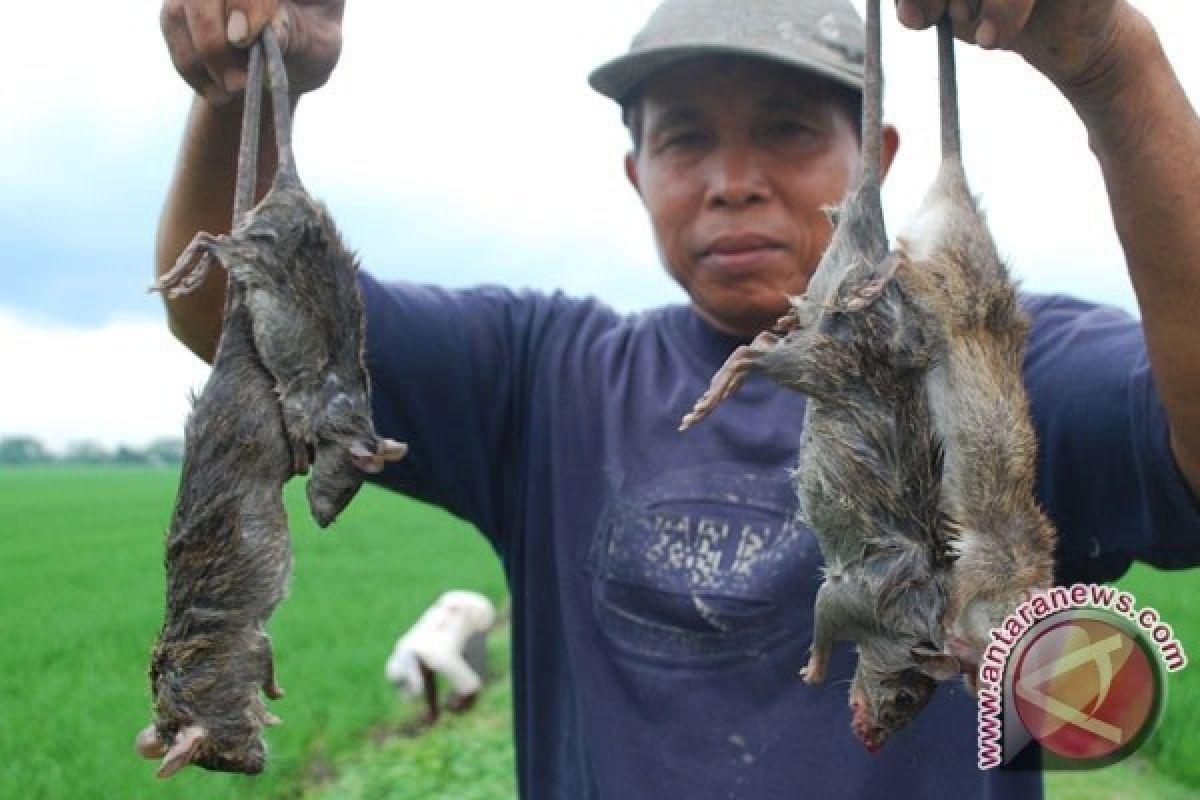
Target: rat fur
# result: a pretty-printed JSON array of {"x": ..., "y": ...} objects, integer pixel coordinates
[
  {"x": 1002, "y": 542},
  {"x": 301, "y": 288},
  {"x": 228, "y": 556},
  {"x": 869, "y": 473}
]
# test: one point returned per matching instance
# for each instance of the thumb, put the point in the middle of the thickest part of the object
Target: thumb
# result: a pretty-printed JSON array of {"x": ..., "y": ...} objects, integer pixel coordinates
[{"x": 246, "y": 18}]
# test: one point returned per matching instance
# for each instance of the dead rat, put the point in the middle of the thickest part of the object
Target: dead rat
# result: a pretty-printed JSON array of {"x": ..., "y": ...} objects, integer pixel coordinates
[
  {"x": 228, "y": 554},
  {"x": 869, "y": 473},
  {"x": 1002, "y": 542},
  {"x": 300, "y": 286}
]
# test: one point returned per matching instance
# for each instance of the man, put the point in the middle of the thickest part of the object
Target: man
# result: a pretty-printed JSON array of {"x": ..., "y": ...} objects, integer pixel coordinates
[
  {"x": 449, "y": 638},
  {"x": 661, "y": 593}
]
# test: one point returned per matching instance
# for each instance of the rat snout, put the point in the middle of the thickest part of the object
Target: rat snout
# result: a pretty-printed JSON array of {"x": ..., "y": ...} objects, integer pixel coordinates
[
  {"x": 864, "y": 726},
  {"x": 373, "y": 457},
  {"x": 871, "y": 735}
]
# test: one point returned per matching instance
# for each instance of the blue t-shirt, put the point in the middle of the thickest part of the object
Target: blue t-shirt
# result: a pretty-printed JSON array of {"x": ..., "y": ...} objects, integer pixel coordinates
[{"x": 662, "y": 590}]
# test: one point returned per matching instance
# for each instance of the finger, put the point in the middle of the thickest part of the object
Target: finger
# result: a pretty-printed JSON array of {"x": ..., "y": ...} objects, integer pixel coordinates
[
  {"x": 313, "y": 36},
  {"x": 962, "y": 11},
  {"x": 1002, "y": 21},
  {"x": 206, "y": 24},
  {"x": 173, "y": 21},
  {"x": 919, "y": 14},
  {"x": 244, "y": 20},
  {"x": 966, "y": 18}
]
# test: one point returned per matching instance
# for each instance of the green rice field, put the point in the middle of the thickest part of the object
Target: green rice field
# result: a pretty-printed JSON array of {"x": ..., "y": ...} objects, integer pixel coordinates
[
  {"x": 81, "y": 602},
  {"x": 81, "y": 591}
]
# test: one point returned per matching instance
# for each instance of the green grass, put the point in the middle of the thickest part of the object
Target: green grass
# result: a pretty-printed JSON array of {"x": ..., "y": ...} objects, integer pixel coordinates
[
  {"x": 1175, "y": 749},
  {"x": 81, "y": 601},
  {"x": 81, "y": 585},
  {"x": 1133, "y": 779},
  {"x": 464, "y": 757}
]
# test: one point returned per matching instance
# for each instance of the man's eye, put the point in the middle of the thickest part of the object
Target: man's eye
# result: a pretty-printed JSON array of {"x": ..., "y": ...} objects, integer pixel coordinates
[
  {"x": 683, "y": 139},
  {"x": 784, "y": 128}
]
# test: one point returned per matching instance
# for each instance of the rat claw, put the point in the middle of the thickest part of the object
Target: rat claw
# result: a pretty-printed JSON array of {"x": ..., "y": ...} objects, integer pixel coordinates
[
  {"x": 192, "y": 266},
  {"x": 813, "y": 673},
  {"x": 729, "y": 377},
  {"x": 188, "y": 283},
  {"x": 189, "y": 271}
]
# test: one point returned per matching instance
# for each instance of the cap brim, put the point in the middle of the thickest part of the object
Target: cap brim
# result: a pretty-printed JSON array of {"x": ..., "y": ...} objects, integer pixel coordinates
[{"x": 617, "y": 78}]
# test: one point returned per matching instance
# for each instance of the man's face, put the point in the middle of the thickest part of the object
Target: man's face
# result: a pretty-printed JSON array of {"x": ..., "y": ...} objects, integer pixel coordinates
[{"x": 737, "y": 159}]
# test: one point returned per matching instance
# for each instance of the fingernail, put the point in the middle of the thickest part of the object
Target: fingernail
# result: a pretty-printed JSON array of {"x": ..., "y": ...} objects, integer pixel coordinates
[
  {"x": 238, "y": 28},
  {"x": 234, "y": 79},
  {"x": 985, "y": 36}
]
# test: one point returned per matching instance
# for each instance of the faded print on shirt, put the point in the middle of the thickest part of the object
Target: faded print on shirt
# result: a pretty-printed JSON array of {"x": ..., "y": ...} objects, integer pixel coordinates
[{"x": 705, "y": 563}]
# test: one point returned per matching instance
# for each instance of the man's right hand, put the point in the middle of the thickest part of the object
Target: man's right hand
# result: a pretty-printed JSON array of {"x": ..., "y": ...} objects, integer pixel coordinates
[{"x": 207, "y": 40}]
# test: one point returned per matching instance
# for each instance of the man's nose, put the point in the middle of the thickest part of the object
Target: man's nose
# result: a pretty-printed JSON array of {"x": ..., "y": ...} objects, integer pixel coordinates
[{"x": 736, "y": 179}]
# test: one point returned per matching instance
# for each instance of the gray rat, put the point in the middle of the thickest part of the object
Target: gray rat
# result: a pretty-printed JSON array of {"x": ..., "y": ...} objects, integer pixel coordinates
[
  {"x": 228, "y": 557},
  {"x": 1002, "y": 542},
  {"x": 869, "y": 472},
  {"x": 300, "y": 286}
]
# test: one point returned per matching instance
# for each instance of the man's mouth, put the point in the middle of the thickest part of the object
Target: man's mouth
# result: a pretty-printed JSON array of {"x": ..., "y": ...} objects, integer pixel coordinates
[{"x": 742, "y": 249}]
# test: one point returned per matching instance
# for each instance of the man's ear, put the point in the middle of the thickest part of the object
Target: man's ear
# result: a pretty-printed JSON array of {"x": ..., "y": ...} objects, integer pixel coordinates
[
  {"x": 890, "y": 144},
  {"x": 631, "y": 171}
]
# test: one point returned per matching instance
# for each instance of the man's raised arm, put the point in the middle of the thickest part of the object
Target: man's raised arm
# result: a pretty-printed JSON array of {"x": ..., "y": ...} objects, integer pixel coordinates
[
  {"x": 207, "y": 41},
  {"x": 1106, "y": 59}
]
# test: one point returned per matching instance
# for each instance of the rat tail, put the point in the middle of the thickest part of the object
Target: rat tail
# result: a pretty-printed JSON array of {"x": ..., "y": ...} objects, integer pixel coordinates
[
  {"x": 247, "y": 174},
  {"x": 281, "y": 108},
  {"x": 948, "y": 91},
  {"x": 872, "y": 120}
]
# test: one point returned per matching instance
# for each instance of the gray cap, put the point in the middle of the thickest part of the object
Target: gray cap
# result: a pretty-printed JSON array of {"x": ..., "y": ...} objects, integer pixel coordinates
[{"x": 821, "y": 36}]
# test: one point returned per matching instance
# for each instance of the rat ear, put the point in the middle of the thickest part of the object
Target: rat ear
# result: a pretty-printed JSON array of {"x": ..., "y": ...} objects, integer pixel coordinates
[
  {"x": 864, "y": 295},
  {"x": 187, "y": 742},
  {"x": 936, "y": 664}
]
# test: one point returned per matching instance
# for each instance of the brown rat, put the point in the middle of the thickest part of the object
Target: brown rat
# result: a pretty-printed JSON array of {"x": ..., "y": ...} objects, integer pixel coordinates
[
  {"x": 228, "y": 556},
  {"x": 301, "y": 289},
  {"x": 1002, "y": 542},
  {"x": 869, "y": 472}
]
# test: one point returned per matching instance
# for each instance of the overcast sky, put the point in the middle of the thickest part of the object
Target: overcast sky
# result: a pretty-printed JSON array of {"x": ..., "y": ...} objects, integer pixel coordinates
[{"x": 457, "y": 143}]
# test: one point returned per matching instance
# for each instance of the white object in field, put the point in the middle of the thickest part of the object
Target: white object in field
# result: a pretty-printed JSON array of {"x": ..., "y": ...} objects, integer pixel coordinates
[{"x": 457, "y": 623}]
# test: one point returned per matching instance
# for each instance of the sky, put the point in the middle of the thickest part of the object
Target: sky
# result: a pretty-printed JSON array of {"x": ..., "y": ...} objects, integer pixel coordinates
[{"x": 456, "y": 143}]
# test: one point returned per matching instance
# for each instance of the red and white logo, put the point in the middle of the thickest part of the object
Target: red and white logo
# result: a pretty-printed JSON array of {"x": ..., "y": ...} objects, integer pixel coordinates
[{"x": 1079, "y": 670}]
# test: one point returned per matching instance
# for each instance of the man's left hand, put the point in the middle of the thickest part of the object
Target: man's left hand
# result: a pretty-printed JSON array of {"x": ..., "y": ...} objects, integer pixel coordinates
[{"x": 1070, "y": 41}]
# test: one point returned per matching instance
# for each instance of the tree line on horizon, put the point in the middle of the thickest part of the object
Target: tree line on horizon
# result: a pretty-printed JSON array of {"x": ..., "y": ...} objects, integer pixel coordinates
[{"x": 23, "y": 450}]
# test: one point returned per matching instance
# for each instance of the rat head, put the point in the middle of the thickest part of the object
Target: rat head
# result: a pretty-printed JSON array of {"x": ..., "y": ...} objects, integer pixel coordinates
[
  {"x": 195, "y": 744},
  {"x": 969, "y": 632},
  {"x": 968, "y": 635},
  {"x": 347, "y": 448},
  {"x": 227, "y": 739},
  {"x": 883, "y": 699}
]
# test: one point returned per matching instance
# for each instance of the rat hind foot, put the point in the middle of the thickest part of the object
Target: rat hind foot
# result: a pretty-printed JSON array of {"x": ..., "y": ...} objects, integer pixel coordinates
[
  {"x": 191, "y": 268},
  {"x": 729, "y": 377}
]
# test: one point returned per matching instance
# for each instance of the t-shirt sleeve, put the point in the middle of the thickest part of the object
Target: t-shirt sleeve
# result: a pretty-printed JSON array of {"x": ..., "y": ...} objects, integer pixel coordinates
[
  {"x": 450, "y": 376},
  {"x": 1106, "y": 473}
]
